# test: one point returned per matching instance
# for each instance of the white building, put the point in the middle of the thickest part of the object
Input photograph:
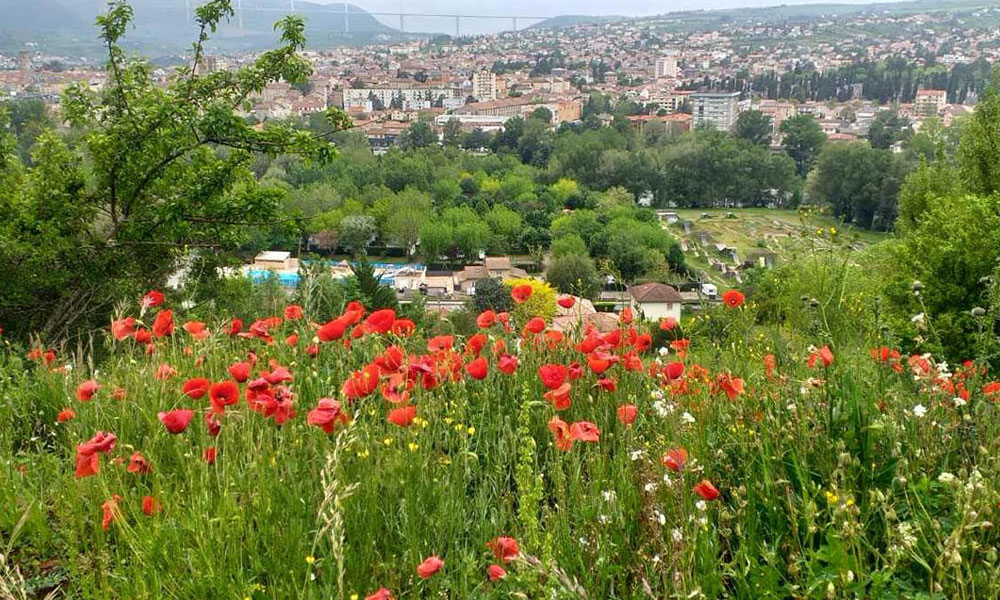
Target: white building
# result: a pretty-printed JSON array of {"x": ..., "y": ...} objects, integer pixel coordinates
[
  {"x": 484, "y": 86},
  {"x": 655, "y": 301},
  {"x": 666, "y": 67},
  {"x": 715, "y": 109}
]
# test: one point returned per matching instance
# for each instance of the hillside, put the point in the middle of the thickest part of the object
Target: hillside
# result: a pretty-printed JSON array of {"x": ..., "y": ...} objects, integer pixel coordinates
[
  {"x": 776, "y": 235},
  {"x": 164, "y": 25},
  {"x": 781, "y": 13}
]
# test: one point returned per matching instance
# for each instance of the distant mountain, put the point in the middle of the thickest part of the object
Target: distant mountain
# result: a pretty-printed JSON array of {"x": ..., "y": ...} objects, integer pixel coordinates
[
  {"x": 573, "y": 20},
  {"x": 167, "y": 26},
  {"x": 778, "y": 13},
  {"x": 36, "y": 15}
]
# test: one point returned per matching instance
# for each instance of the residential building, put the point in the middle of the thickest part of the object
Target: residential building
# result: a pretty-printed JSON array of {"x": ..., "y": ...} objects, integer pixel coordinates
[
  {"x": 484, "y": 86},
  {"x": 655, "y": 301},
  {"x": 715, "y": 109},
  {"x": 666, "y": 67},
  {"x": 930, "y": 102}
]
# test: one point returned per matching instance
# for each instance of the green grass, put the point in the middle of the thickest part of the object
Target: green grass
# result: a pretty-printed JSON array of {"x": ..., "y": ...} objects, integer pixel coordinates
[
  {"x": 786, "y": 234},
  {"x": 831, "y": 487}
]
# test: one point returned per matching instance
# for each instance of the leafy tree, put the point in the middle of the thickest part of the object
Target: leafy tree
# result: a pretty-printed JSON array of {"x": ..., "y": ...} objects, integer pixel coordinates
[
  {"x": 978, "y": 155},
  {"x": 492, "y": 294},
  {"x": 152, "y": 170},
  {"x": 452, "y": 133},
  {"x": 630, "y": 260},
  {"x": 887, "y": 128},
  {"x": 573, "y": 274},
  {"x": 472, "y": 237},
  {"x": 568, "y": 244},
  {"x": 542, "y": 114},
  {"x": 357, "y": 232},
  {"x": 754, "y": 127},
  {"x": 419, "y": 135},
  {"x": 476, "y": 139},
  {"x": 436, "y": 238},
  {"x": 860, "y": 183},
  {"x": 803, "y": 139}
]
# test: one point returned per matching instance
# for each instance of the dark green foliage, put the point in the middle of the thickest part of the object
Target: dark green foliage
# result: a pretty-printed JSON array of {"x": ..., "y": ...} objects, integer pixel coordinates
[{"x": 859, "y": 183}]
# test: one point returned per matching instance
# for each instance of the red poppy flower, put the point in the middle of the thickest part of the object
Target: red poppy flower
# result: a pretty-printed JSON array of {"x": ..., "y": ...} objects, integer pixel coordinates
[
  {"x": 706, "y": 490},
  {"x": 552, "y": 375},
  {"x": 732, "y": 386},
  {"x": 240, "y": 371},
  {"x": 213, "y": 424},
  {"x": 110, "y": 511},
  {"x": 397, "y": 388},
  {"x": 196, "y": 388},
  {"x": 733, "y": 298},
  {"x": 991, "y": 390},
  {"x": 536, "y": 325},
  {"x": 177, "y": 420},
  {"x": 87, "y": 454},
  {"x": 440, "y": 343},
  {"x": 163, "y": 325},
  {"x": 643, "y": 342},
  {"x": 507, "y": 364},
  {"x": 86, "y": 390},
  {"x": 152, "y": 299},
  {"x": 478, "y": 368},
  {"x": 606, "y": 384},
  {"x": 823, "y": 355},
  {"x": 668, "y": 324},
  {"x": 599, "y": 362},
  {"x": 627, "y": 414},
  {"x": 361, "y": 383},
  {"x": 495, "y": 572},
  {"x": 150, "y": 506},
  {"x": 196, "y": 329},
  {"x": 293, "y": 312},
  {"x": 521, "y": 293},
  {"x": 403, "y": 416},
  {"x": 560, "y": 430},
  {"x": 209, "y": 455},
  {"x": 575, "y": 370},
  {"x": 235, "y": 326},
  {"x": 332, "y": 330},
  {"x": 123, "y": 328},
  {"x": 143, "y": 336},
  {"x": 381, "y": 594},
  {"x": 223, "y": 394},
  {"x": 403, "y": 327},
  {"x": 674, "y": 370},
  {"x": 486, "y": 319},
  {"x": 566, "y": 301},
  {"x": 585, "y": 431},
  {"x": 504, "y": 548},
  {"x": 327, "y": 415},
  {"x": 138, "y": 464},
  {"x": 65, "y": 414},
  {"x": 674, "y": 459},
  {"x": 431, "y": 565},
  {"x": 681, "y": 346},
  {"x": 559, "y": 397},
  {"x": 380, "y": 321},
  {"x": 278, "y": 374},
  {"x": 475, "y": 345},
  {"x": 292, "y": 340},
  {"x": 626, "y": 315}
]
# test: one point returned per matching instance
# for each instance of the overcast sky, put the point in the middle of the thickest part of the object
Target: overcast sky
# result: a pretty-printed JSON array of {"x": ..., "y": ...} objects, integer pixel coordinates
[{"x": 548, "y": 8}]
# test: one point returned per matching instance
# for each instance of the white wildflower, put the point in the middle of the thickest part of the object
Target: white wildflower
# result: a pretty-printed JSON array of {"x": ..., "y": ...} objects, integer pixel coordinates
[{"x": 919, "y": 411}]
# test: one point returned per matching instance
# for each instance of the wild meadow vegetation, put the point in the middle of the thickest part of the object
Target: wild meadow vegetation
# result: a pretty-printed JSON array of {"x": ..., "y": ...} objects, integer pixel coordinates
[{"x": 828, "y": 430}]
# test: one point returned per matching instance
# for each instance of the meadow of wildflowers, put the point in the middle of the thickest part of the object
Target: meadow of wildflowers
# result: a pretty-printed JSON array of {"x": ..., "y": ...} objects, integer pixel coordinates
[{"x": 295, "y": 455}]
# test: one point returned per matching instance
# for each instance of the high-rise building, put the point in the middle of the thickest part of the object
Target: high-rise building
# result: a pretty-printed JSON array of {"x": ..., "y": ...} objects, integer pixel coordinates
[
  {"x": 484, "y": 86},
  {"x": 666, "y": 67},
  {"x": 929, "y": 103},
  {"x": 715, "y": 109}
]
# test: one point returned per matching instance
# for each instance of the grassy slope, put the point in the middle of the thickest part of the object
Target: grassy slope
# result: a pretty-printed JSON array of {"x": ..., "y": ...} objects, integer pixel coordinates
[{"x": 786, "y": 233}]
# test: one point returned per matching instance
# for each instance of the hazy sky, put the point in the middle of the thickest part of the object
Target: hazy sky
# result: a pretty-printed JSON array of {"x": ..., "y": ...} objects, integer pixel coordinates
[{"x": 546, "y": 9}]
